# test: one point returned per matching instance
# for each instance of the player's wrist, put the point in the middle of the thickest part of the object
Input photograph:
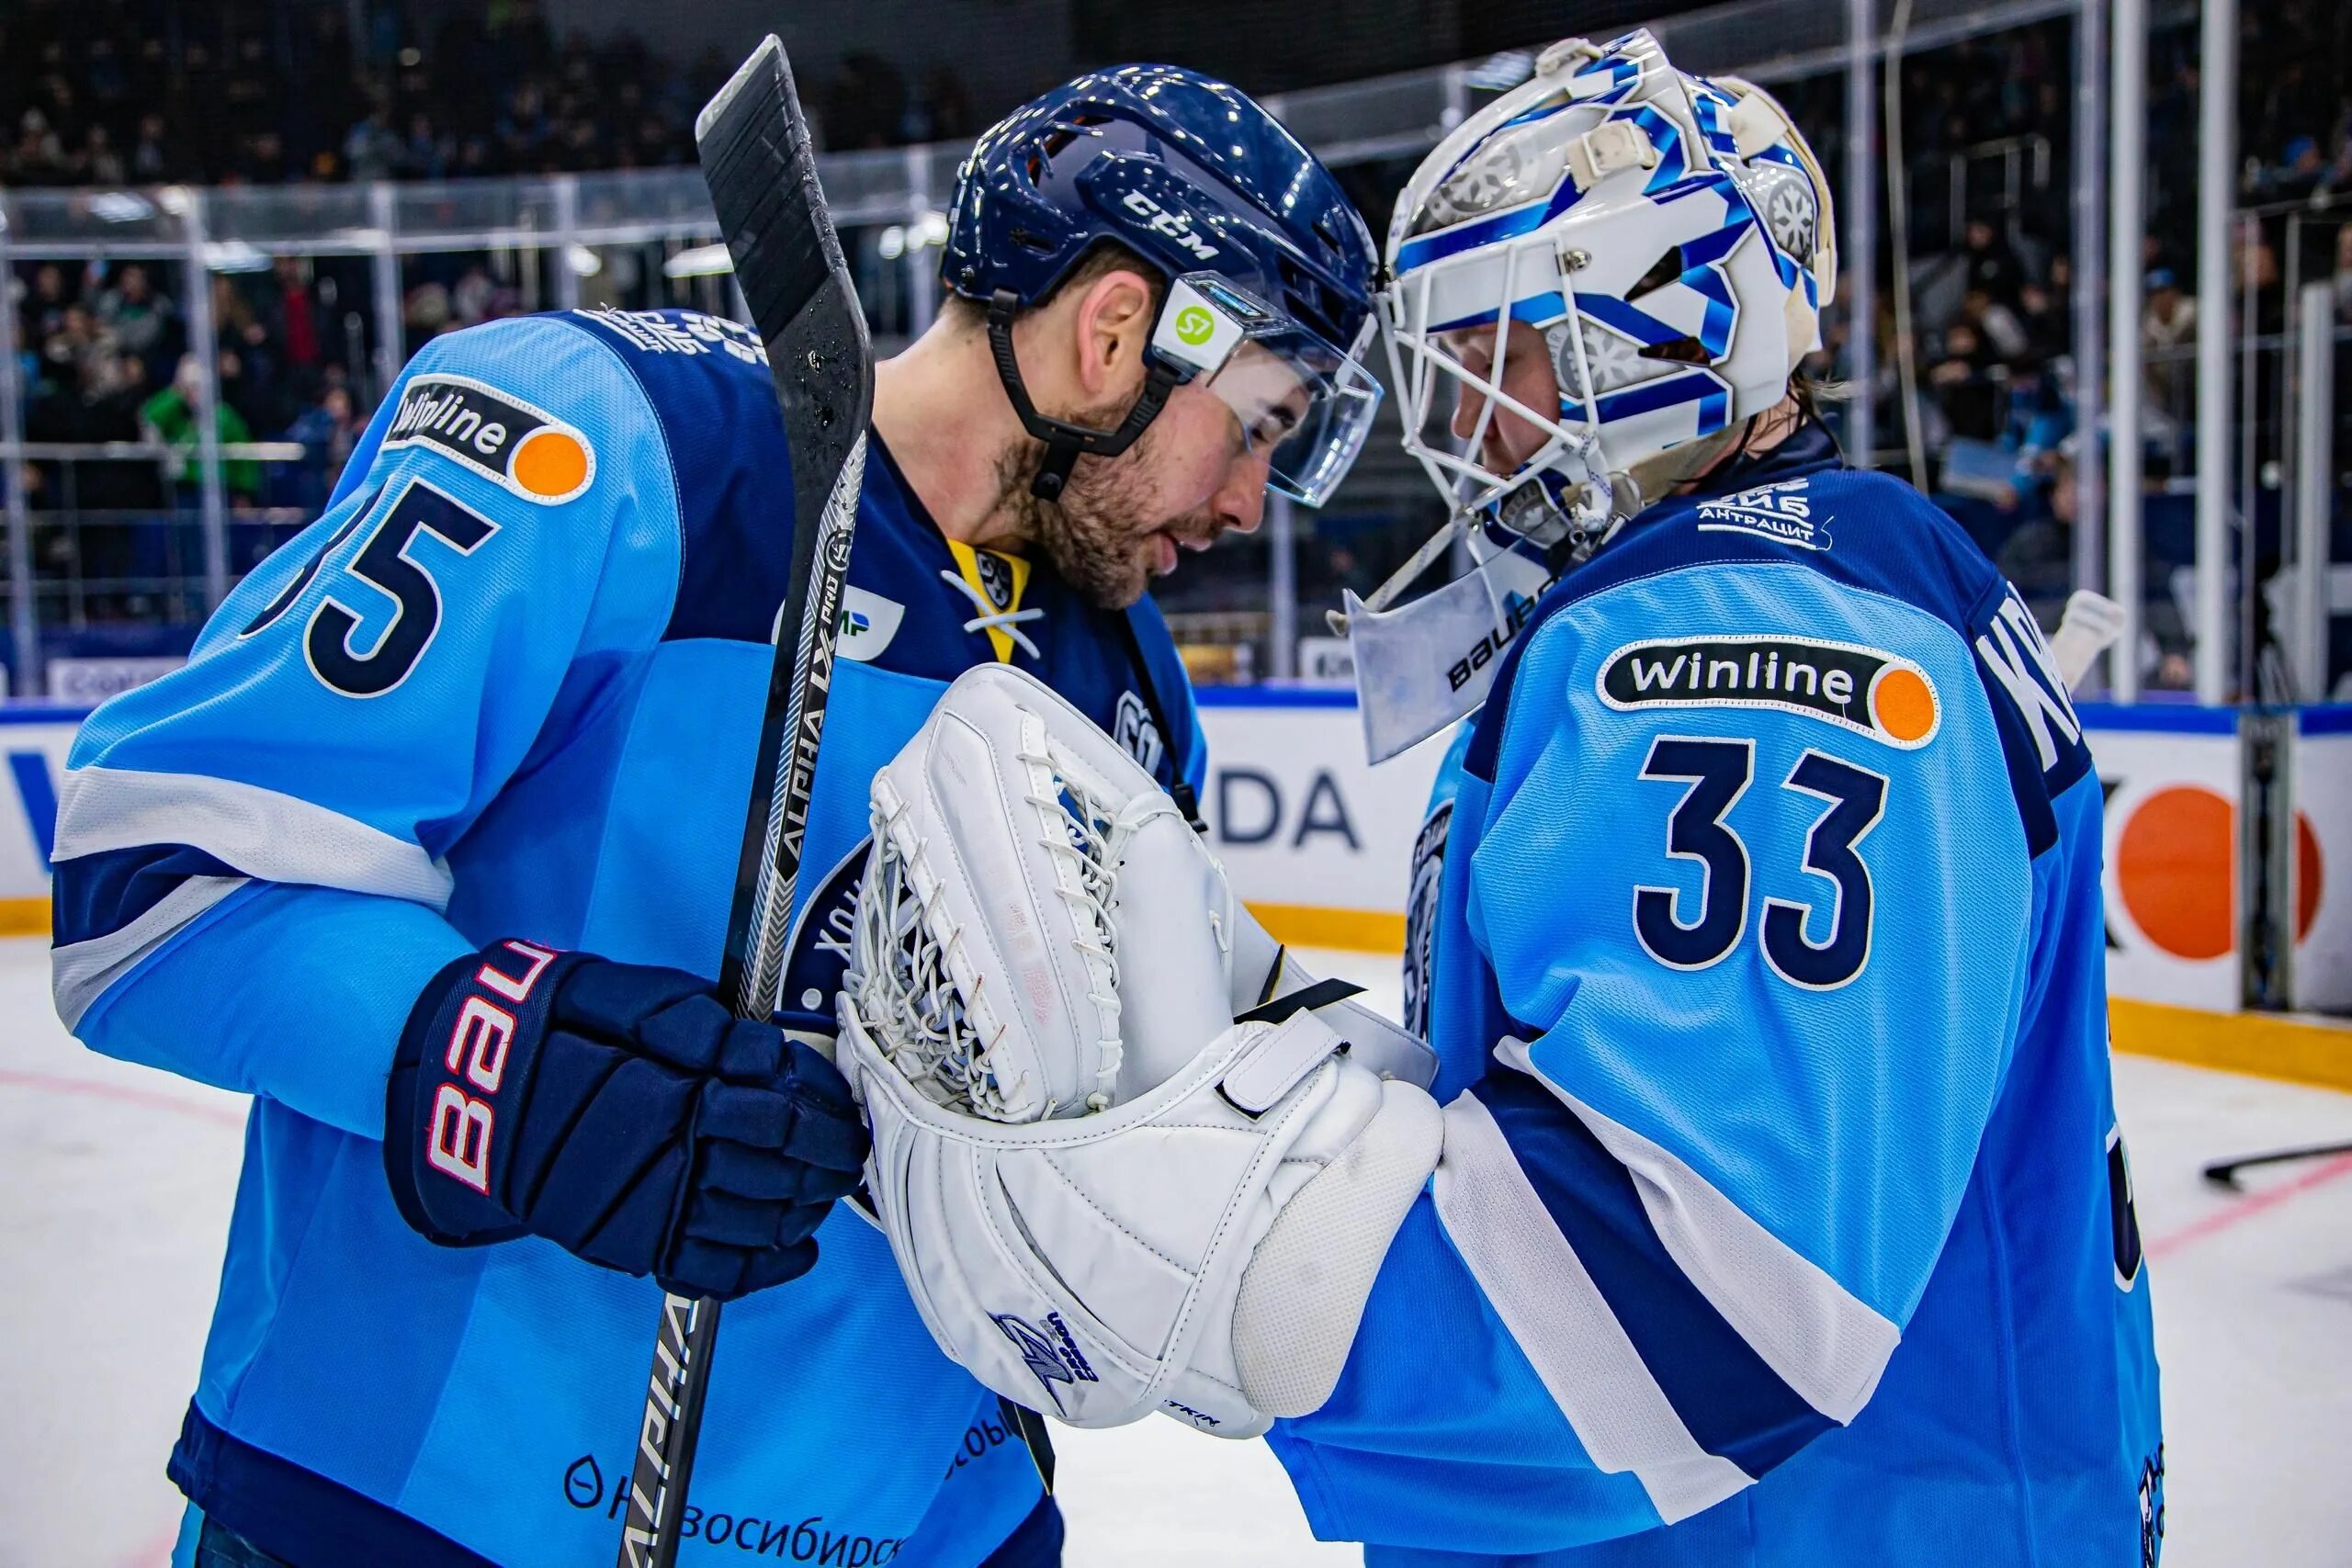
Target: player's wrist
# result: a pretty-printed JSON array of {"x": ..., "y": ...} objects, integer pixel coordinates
[{"x": 453, "y": 1069}]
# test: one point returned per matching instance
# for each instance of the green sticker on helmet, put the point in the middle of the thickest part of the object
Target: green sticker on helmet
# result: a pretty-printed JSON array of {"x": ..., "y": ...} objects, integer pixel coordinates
[{"x": 1194, "y": 326}]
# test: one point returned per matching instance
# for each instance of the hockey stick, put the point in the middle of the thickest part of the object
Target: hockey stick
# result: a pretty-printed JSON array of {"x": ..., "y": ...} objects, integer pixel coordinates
[
  {"x": 2224, "y": 1173},
  {"x": 762, "y": 171}
]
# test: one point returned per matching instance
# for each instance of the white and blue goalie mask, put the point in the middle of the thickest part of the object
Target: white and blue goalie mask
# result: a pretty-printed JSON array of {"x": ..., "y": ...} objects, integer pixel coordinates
[{"x": 1669, "y": 241}]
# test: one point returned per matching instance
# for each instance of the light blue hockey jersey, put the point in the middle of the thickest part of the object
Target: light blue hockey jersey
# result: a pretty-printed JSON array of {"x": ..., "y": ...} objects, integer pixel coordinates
[
  {"x": 1783, "y": 1204},
  {"x": 511, "y": 683}
]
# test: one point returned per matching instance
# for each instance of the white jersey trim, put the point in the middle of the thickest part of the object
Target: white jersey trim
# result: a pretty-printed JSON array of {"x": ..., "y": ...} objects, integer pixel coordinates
[
  {"x": 79, "y": 975},
  {"x": 1563, "y": 1325},
  {"x": 1815, "y": 1336},
  {"x": 279, "y": 837}
]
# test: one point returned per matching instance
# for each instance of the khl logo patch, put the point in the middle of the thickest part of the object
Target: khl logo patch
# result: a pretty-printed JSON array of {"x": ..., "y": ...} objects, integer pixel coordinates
[
  {"x": 1132, "y": 727},
  {"x": 996, "y": 578}
]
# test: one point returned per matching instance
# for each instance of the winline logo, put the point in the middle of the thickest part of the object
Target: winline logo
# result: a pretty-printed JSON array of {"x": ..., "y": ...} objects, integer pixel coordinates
[
  {"x": 1866, "y": 690},
  {"x": 497, "y": 436}
]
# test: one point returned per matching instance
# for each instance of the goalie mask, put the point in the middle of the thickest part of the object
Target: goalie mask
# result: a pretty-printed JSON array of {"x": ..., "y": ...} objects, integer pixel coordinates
[{"x": 1669, "y": 238}]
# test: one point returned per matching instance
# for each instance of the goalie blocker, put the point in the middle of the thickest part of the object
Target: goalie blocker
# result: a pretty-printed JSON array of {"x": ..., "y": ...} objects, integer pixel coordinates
[{"x": 1128, "y": 1156}]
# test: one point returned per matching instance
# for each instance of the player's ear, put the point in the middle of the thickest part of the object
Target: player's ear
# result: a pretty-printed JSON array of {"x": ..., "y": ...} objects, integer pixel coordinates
[{"x": 1114, "y": 324}]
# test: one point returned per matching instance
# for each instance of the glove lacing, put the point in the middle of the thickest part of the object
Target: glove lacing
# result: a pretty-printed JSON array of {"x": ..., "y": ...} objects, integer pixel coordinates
[
  {"x": 899, "y": 979},
  {"x": 903, "y": 974},
  {"x": 1081, "y": 833}
]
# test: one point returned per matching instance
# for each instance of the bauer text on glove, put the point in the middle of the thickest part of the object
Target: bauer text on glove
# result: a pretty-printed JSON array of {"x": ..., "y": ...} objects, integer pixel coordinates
[{"x": 618, "y": 1111}]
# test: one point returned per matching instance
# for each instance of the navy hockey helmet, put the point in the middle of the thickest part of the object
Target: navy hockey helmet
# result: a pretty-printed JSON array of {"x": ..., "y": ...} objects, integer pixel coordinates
[{"x": 1268, "y": 263}]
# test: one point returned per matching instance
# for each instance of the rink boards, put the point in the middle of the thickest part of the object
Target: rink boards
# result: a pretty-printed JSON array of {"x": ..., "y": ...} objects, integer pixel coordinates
[
  {"x": 1294, "y": 808},
  {"x": 1319, "y": 843}
]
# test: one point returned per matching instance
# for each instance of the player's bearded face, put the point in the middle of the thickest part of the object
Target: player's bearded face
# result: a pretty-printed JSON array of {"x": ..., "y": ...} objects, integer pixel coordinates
[{"x": 1189, "y": 477}]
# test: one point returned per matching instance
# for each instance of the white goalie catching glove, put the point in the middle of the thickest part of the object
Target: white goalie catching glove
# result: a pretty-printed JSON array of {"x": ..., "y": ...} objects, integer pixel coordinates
[
  {"x": 2090, "y": 627},
  {"x": 1129, "y": 1157}
]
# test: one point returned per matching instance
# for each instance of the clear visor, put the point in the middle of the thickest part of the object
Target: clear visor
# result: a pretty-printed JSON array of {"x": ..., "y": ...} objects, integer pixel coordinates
[{"x": 1302, "y": 402}]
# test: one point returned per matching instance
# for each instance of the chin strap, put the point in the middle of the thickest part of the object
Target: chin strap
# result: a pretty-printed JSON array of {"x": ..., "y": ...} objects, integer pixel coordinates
[{"x": 1064, "y": 441}]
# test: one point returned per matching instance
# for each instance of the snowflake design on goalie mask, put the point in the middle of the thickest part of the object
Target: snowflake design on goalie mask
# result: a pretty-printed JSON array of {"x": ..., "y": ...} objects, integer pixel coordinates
[
  {"x": 1615, "y": 359},
  {"x": 1784, "y": 199},
  {"x": 1480, "y": 187},
  {"x": 1516, "y": 166}
]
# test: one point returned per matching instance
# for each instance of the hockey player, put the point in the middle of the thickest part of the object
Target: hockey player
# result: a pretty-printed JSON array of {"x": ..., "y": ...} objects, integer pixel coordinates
[
  {"x": 429, "y": 847},
  {"x": 1781, "y": 1216}
]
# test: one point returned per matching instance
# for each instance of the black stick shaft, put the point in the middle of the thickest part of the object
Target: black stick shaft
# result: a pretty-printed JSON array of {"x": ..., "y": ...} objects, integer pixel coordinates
[
  {"x": 2225, "y": 1172},
  {"x": 668, "y": 1434},
  {"x": 760, "y": 168}
]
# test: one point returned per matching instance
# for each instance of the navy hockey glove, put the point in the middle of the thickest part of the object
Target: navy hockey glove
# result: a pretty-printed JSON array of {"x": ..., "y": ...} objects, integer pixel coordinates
[{"x": 618, "y": 1111}]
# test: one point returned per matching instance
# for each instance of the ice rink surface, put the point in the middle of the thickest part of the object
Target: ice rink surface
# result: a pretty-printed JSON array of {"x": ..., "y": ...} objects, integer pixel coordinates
[{"x": 115, "y": 1186}]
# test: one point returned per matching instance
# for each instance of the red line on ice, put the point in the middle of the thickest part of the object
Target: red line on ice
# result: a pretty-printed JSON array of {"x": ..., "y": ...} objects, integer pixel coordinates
[
  {"x": 2247, "y": 1208},
  {"x": 156, "y": 1553},
  {"x": 123, "y": 1094}
]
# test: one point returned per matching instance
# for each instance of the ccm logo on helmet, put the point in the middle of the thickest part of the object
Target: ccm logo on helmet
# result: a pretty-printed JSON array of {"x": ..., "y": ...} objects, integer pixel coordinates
[
  {"x": 1867, "y": 690},
  {"x": 1177, "y": 226}
]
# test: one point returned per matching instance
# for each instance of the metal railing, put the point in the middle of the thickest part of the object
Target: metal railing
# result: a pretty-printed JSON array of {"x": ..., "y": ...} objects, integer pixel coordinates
[
  {"x": 2020, "y": 160},
  {"x": 161, "y": 451},
  {"x": 641, "y": 237}
]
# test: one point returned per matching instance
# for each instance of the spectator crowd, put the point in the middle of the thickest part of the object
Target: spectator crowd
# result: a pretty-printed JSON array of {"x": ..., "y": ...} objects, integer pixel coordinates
[
  {"x": 105, "y": 354},
  {"x": 150, "y": 92},
  {"x": 1987, "y": 143},
  {"x": 114, "y": 92}
]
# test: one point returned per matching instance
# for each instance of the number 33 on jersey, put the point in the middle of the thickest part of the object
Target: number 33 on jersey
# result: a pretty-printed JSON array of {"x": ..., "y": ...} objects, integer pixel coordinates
[
  {"x": 1756, "y": 928},
  {"x": 1863, "y": 690}
]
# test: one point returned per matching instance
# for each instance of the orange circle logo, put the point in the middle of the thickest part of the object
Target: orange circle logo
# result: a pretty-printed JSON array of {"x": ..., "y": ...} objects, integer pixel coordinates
[
  {"x": 2175, "y": 864},
  {"x": 551, "y": 464},
  {"x": 1904, "y": 705},
  {"x": 2307, "y": 876}
]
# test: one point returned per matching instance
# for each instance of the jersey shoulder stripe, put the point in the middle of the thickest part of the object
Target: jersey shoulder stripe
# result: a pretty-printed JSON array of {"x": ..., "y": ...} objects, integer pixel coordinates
[
  {"x": 105, "y": 891},
  {"x": 707, "y": 381},
  {"x": 1729, "y": 1399}
]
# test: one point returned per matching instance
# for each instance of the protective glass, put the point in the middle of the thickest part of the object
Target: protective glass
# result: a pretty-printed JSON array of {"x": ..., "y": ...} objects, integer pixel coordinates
[{"x": 1302, "y": 401}]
